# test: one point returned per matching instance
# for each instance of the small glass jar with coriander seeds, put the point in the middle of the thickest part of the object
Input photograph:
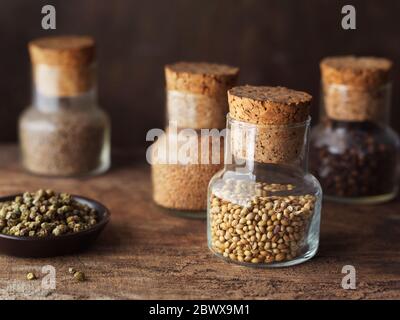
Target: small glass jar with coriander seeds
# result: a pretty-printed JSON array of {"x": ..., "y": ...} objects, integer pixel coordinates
[
  {"x": 64, "y": 132},
  {"x": 354, "y": 152},
  {"x": 264, "y": 207}
]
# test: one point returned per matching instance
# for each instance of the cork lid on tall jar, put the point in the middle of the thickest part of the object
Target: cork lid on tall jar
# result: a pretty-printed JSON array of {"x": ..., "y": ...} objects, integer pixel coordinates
[
  {"x": 355, "y": 88},
  {"x": 197, "y": 93},
  {"x": 63, "y": 65},
  {"x": 279, "y": 115}
]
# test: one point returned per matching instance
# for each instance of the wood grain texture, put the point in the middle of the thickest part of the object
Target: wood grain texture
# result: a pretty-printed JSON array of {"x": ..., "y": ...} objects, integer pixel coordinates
[{"x": 146, "y": 253}]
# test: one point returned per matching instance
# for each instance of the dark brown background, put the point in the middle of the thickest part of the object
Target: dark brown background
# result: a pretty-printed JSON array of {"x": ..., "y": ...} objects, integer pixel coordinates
[{"x": 275, "y": 42}]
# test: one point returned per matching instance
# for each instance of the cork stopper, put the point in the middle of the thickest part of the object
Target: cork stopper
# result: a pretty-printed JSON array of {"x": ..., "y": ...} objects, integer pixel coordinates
[
  {"x": 279, "y": 116},
  {"x": 356, "y": 88},
  {"x": 361, "y": 72},
  {"x": 63, "y": 65},
  {"x": 268, "y": 105},
  {"x": 197, "y": 93},
  {"x": 200, "y": 77}
]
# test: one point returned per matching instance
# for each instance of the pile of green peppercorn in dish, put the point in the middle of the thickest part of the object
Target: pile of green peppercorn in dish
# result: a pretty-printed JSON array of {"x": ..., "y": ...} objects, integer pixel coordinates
[{"x": 45, "y": 213}]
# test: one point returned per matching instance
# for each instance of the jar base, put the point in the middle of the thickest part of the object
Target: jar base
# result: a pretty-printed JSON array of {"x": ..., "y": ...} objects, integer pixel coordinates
[
  {"x": 363, "y": 200},
  {"x": 104, "y": 167},
  {"x": 181, "y": 213},
  {"x": 298, "y": 260}
]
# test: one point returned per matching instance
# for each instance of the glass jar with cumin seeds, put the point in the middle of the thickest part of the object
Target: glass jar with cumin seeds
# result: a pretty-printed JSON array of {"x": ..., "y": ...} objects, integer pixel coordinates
[
  {"x": 354, "y": 152},
  {"x": 64, "y": 132},
  {"x": 264, "y": 207},
  {"x": 190, "y": 152}
]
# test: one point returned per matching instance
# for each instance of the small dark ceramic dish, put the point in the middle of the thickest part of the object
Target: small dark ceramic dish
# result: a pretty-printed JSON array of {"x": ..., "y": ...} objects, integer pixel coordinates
[{"x": 36, "y": 247}]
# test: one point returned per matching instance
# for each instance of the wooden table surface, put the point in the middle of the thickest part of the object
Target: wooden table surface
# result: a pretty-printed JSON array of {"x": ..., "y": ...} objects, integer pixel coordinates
[{"x": 147, "y": 254}]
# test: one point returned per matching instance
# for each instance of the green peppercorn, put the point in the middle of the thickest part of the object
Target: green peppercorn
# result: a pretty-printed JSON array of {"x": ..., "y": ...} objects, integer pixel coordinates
[
  {"x": 30, "y": 276},
  {"x": 79, "y": 276},
  {"x": 45, "y": 213}
]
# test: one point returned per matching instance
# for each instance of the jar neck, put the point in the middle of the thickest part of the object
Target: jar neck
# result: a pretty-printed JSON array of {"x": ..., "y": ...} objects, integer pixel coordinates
[
  {"x": 58, "y": 87},
  {"x": 347, "y": 103},
  {"x": 249, "y": 146},
  {"x": 84, "y": 101},
  {"x": 196, "y": 111}
]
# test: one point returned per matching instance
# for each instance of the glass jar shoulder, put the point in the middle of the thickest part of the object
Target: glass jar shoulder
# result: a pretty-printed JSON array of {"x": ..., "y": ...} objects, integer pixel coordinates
[
  {"x": 34, "y": 118},
  {"x": 338, "y": 136},
  {"x": 232, "y": 184},
  {"x": 355, "y": 162}
]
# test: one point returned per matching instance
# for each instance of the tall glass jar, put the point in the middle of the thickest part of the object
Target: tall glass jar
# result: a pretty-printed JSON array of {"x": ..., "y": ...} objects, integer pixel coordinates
[
  {"x": 196, "y": 105},
  {"x": 354, "y": 152},
  {"x": 264, "y": 206},
  {"x": 64, "y": 132}
]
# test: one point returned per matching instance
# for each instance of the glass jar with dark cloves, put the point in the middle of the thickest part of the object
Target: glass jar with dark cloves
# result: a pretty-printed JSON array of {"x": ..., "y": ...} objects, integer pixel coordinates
[{"x": 354, "y": 152}]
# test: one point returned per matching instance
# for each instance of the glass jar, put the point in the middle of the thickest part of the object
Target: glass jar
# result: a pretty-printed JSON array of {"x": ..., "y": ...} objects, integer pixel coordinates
[
  {"x": 64, "y": 132},
  {"x": 354, "y": 152},
  {"x": 196, "y": 106},
  {"x": 264, "y": 206}
]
